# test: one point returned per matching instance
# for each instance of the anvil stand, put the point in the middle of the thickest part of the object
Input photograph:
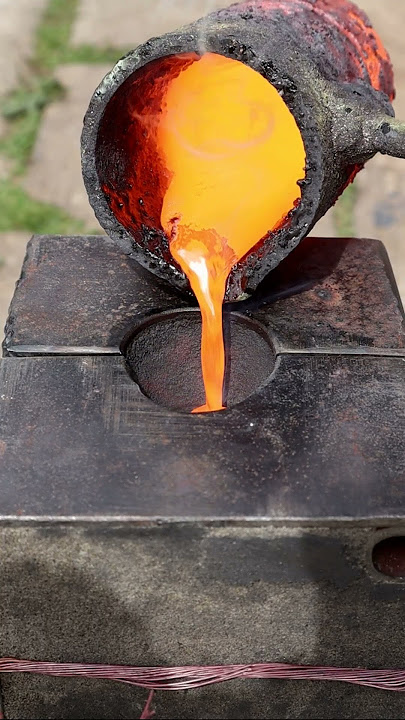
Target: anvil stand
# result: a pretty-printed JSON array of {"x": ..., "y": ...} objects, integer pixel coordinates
[{"x": 135, "y": 534}]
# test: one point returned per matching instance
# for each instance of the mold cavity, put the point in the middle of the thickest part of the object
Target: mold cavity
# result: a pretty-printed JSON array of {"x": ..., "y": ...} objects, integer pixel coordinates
[
  {"x": 389, "y": 556},
  {"x": 162, "y": 356}
]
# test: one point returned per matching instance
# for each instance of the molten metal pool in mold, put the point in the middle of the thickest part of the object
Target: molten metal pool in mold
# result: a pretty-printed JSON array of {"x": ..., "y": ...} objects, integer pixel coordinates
[{"x": 163, "y": 357}]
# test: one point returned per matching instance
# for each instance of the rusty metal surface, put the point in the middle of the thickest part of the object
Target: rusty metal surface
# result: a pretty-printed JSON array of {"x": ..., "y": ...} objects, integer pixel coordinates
[
  {"x": 84, "y": 294},
  {"x": 323, "y": 440},
  {"x": 81, "y": 291},
  {"x": 348, "y": 299}
]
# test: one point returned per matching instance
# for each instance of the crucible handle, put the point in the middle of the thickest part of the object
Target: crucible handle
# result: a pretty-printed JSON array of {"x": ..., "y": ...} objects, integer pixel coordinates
[{"x": 387, "y": 135}]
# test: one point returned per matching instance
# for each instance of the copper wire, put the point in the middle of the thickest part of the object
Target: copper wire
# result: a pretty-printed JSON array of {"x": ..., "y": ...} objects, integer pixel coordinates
[{"x": 194, "y": 676}]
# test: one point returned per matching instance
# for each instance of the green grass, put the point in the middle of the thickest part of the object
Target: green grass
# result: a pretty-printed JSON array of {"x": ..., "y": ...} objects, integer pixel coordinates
[
  {"x": 23, "y": 109},
  {"x": 21, "y": 212},
  {"x": 18, "y": 143},
  {"x": 53, "y": 33},
  {"x": 344, "y": 212},
  {"x": 90, "y": 54},
  {"x": 26, "y": 99}
]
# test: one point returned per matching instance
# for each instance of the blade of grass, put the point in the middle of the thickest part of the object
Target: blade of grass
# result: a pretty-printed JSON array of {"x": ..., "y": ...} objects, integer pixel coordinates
[
  {"x": 343, "y": 212},
  {"x": 21, "y": 212},
  {"x": 23, "y": 109}
]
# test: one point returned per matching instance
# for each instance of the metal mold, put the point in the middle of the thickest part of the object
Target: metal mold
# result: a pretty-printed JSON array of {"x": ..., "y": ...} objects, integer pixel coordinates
[
  {"x": 149, "y": 537},
  {"x": 163, "y": 357},
  {"x": 332, "y": 295},
  {"x": 322, "y": 439}
]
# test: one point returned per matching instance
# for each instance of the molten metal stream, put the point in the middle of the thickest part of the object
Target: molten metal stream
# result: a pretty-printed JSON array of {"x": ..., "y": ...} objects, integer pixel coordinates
[{"x": 235, "y": 154}]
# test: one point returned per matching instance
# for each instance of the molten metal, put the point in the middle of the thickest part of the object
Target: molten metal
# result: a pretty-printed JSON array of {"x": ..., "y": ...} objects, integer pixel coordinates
[{"x": 235, "y": 156}]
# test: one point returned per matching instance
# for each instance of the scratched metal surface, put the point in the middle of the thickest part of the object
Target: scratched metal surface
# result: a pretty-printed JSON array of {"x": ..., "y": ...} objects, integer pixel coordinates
[
  {"x": 324, "y": 439},
  {"x": 83, "y": 293}
]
